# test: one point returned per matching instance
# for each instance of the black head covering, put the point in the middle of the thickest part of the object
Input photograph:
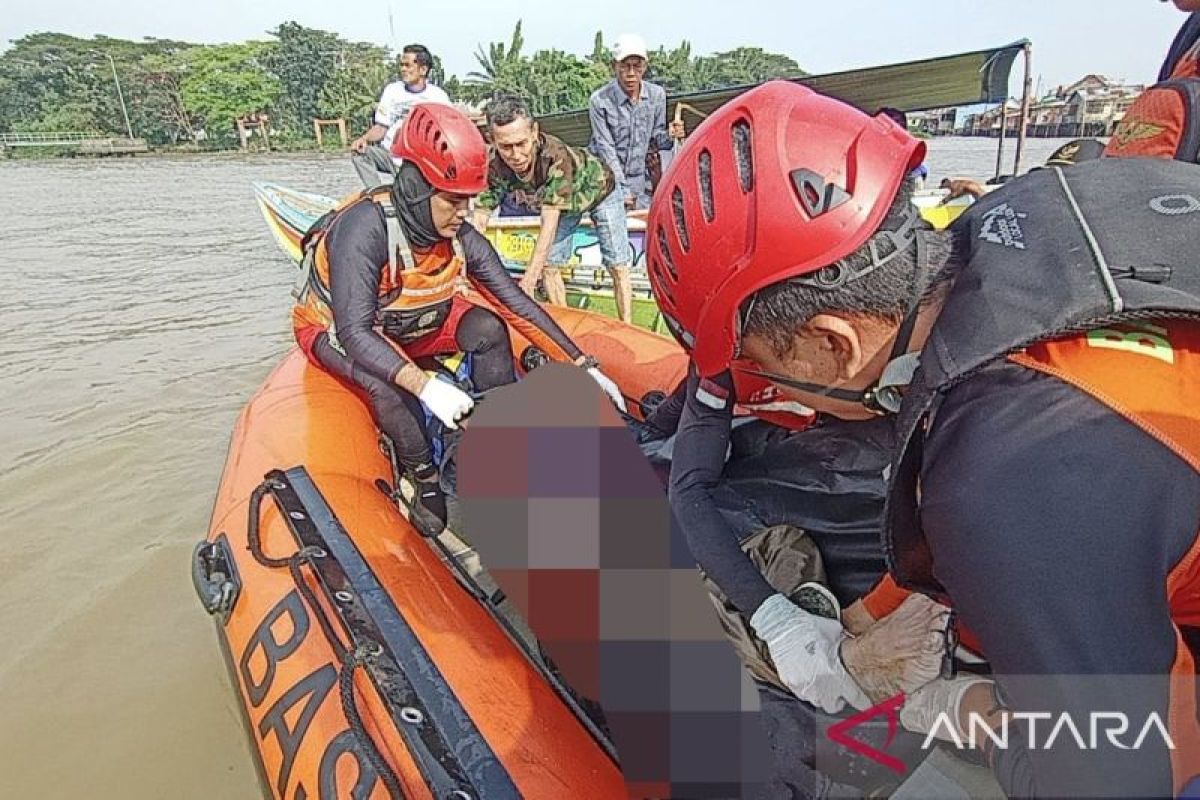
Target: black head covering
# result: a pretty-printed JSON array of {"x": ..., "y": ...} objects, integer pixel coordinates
[{"x": 411, "y": 193}]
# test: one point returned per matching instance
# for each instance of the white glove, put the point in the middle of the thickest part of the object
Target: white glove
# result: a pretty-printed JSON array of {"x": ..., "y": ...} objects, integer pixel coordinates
[
  {"x": 447, "y": 402},
  {"x": 805, "y": 649},
  {"x": 609, "y": 386},
  {"x": 943, "y": 696}
]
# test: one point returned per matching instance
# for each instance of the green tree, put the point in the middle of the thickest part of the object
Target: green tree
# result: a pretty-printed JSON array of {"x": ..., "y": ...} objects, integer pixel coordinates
[
  {"x": 672, "y": 69},
  {"x": 226, "y": 81},
  {"x": 746, "y": 65},
  {"x": 161, "y": 113},
  {"x": 51, "y": 80},
  {"x": 56, "y": 82},
  {"x": 437, "y": 73},
  {"x": 706, "y": 74},
  {"x": 453, "y": 87},
  {"x": 559, "y": 81},
  {"x": 499, "y": 66},
  {"x": 353, "y": 89},
  {"x": 302, "y": 60}
]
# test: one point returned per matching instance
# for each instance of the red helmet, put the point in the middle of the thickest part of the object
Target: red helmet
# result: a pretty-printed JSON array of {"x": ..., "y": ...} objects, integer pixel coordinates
[
  {"x": 779, "y": 182},
  {"x": 446, "y": 146}
]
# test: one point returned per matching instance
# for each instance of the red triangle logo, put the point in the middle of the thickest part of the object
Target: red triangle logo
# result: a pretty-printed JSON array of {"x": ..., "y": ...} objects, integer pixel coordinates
[{"x": 840, "y": 733}]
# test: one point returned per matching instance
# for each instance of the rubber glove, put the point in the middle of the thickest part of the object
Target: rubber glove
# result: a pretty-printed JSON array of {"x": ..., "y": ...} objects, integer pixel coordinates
[
  {"x": 447, "y": 402},
  {"x": 943, "y": 696},
  {"x": 805, "y": 649},
  {"x": 609, "y": 386}
]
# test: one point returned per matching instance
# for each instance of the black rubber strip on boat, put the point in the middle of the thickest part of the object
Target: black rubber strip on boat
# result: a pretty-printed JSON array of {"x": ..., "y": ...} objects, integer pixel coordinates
[{"x": 446, "y": 745}]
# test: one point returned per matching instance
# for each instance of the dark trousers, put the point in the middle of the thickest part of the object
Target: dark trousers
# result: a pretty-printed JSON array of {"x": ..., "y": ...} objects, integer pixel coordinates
[{"x": 398, "y": 413}]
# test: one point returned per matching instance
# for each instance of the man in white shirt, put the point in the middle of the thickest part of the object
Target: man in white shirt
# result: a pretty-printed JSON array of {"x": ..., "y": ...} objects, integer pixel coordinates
[{"x": 373, "y": 149}]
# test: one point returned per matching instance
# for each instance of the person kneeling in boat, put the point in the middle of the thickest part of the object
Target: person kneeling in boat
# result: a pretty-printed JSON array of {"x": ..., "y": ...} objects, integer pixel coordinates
[
  {"x": 382, "y": 293},
  {"x": 1039, "y": 360}
]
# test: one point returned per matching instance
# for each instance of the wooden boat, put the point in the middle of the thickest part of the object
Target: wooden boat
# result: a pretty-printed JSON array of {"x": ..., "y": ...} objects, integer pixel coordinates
[{"x": 289, "y": 213}]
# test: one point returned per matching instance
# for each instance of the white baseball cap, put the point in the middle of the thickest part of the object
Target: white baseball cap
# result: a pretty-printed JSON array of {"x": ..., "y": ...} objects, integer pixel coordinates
[{"x": 628, "y": 45}]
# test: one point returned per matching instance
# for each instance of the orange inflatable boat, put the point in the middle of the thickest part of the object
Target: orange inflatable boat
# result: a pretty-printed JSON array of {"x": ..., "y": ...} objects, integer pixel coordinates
[{"x": 368, "y": 663}]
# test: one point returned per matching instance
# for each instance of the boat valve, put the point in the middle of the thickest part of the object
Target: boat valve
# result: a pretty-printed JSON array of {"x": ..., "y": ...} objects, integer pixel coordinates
[{"x": 532, "y": 358}]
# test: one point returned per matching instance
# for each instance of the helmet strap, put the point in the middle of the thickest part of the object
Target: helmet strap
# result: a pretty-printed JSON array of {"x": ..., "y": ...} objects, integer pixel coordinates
[{"x": 885, "y": 395}]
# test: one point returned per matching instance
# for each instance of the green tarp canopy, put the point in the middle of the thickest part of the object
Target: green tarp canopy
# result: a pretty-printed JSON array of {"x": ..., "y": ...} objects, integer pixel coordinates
[{"x": 980, "y": 76}]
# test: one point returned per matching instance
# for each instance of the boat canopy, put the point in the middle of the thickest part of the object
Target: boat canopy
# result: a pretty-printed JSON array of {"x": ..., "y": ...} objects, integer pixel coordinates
[{"x": 980, "y": 76}]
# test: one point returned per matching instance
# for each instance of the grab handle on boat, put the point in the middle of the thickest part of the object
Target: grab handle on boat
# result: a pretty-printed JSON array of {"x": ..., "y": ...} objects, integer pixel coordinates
[{"x": 215, "y": 577}]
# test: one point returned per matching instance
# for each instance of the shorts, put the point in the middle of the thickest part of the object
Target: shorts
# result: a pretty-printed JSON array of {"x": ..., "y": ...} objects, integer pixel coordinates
[{"x": 611, "y": 231}]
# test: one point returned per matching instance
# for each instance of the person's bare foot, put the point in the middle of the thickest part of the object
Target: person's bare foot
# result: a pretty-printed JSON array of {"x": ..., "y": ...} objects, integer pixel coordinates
[{"x": 899, "y": 653}]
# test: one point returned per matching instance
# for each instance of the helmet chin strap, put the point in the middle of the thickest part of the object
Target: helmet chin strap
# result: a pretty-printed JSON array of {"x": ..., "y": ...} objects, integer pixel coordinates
[{"x": 885, "y": 395}]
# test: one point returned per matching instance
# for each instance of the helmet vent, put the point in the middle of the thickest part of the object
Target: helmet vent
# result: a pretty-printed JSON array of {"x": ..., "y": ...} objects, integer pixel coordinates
[
  {"x": 664, "y": 285},
  {"x": 665, "y": 253},
  {"x": 680, "y": 220},
  {"x": 706, "y": 187},
  {"x": 743, "y": 154}
]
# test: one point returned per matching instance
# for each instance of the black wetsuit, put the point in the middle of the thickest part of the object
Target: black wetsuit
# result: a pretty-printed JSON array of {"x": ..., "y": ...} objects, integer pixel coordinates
[
  {"x": 357, "y": 250},
  {"x": 1081, "y": 559},
  {"x": 827, "y": 481},
  {"x": 698, "y": 461}
]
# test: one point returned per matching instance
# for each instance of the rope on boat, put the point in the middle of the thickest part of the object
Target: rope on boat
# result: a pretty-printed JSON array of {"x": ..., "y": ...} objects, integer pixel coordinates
[
  {"x": 310, "y": 597},
  {"x": 253, "y": 534},
  {"x": 351, "y": 661}
]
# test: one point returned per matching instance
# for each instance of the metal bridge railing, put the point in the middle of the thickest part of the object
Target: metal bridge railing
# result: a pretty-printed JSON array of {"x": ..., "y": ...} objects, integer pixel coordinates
[{"x": 45, "y": 138}]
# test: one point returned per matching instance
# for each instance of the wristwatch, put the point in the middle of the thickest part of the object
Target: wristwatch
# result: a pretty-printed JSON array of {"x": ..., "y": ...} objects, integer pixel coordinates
[{"x": 587, "y": 362}]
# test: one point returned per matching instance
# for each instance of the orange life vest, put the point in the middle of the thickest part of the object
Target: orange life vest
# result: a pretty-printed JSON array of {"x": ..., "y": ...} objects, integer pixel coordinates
[
  {"x": 415, "y": 289},
  {"x": 1164, "y": 122},
  {"x": 1085, "y": 273},
  {"x": 1149, "y": 373}
]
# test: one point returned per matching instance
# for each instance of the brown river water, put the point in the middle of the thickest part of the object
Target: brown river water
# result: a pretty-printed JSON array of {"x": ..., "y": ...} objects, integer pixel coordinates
[{"x": 146, "y": 302}]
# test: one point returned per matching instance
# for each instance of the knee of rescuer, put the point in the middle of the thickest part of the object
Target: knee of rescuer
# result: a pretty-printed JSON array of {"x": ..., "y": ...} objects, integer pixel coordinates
[{"x": 486, "y": 326}]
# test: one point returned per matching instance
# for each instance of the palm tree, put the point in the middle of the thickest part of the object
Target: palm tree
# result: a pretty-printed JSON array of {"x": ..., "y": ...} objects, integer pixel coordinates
[{"x": 498, "y": 60}]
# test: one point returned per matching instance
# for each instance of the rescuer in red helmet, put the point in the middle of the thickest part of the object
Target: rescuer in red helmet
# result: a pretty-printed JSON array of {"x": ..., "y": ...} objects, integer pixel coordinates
[
  {"x": 1040, "y": 363},
  {"x": 381, "y": 295}
]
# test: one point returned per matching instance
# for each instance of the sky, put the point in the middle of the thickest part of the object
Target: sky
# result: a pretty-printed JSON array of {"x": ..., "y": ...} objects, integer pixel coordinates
[{"x": 1123, "y": 39}]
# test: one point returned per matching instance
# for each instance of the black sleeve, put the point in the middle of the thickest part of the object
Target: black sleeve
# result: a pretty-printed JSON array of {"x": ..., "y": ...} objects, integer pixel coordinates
[
  {"x": 1053, "y": 524},
  {"x": 357, "y": 248},
  {"x": 696, "y": 466},
  {"x": 666, "y": 417},
  {"x": 1188, "y": 35},
  {"x": 488, "y": 275}
]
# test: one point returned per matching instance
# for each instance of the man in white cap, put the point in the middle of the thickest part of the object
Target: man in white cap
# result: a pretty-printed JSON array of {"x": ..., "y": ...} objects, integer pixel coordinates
[{"x": 629, "y": 118}]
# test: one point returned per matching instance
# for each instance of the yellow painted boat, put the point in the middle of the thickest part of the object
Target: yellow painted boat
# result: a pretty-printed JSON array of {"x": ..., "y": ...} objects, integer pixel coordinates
[{"x": 289, "y": 213}]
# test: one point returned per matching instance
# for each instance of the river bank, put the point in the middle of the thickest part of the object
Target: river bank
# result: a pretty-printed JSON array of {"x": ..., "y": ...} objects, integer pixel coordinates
[{"x": 56, "y": 152}]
